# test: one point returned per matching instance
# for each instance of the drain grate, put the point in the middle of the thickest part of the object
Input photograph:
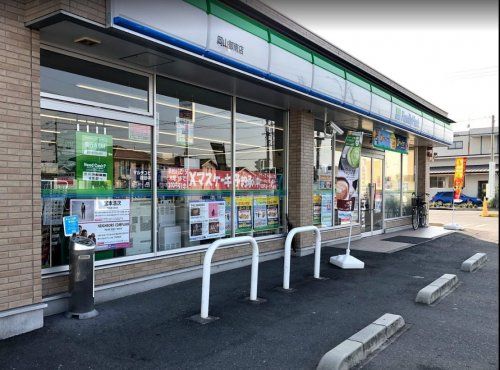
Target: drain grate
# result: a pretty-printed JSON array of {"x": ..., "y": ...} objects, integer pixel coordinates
[{"x": 407, "y": 239}]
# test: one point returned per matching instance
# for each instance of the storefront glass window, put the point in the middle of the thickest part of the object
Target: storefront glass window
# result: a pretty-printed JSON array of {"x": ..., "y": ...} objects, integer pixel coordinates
[
  {"x": 193, "y": 165},
  {"x": 260, "y": 159},
  {"x": 392, "y": 184},
  {"x": 323, "y": 178},
  {"x": 408, "y": 181},
  {"x": 79, "y": 79},
  {"x": 100, "y": 171}
]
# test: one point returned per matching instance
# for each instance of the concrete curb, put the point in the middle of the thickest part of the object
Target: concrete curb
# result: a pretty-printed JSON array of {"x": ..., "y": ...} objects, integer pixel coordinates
[
  {"x": 436, "y": 289},
  {"x": 475, "y": 262},
  {"x": 360, "y": 345}
]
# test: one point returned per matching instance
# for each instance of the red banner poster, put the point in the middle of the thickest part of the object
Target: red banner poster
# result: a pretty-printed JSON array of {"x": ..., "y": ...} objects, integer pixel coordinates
[{"x": 175, "y": 178}]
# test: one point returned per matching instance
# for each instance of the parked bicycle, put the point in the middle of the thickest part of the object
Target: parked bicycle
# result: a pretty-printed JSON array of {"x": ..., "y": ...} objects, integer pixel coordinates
[{"x": 419, "y": 211}]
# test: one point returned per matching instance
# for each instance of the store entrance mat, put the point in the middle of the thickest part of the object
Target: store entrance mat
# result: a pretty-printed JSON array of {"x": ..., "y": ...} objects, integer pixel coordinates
[{"x": 407, "y": 239}]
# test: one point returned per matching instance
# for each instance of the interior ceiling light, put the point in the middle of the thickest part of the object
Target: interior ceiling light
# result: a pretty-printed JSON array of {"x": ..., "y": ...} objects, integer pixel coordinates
[{"x": 87, "y": 41}]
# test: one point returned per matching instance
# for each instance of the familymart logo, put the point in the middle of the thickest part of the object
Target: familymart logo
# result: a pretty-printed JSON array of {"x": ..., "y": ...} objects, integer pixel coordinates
[{"x": 406, "y": 117}]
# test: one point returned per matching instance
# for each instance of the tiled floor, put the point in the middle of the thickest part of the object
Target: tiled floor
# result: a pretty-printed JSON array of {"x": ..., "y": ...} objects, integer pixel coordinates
[{"x": 379, "y": 245}]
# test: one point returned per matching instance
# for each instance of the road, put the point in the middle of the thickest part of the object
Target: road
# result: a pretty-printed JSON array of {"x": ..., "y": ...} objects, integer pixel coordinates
[
  {"x": 484, "y": 228},
  {"x": 289, "y": 331}
]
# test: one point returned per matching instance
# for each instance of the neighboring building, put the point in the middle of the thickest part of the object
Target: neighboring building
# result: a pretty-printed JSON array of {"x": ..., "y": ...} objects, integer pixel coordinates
[
  {"x": 137, "y": 115},
  {"x": 475, "y": 145}
]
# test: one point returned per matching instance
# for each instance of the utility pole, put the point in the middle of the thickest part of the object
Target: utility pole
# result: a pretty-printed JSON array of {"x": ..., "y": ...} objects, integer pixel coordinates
[{"x": 491, "y": 170}]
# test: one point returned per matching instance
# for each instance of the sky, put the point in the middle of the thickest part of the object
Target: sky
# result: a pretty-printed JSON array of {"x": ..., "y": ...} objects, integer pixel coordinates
[{"x": 444, "y": 51}]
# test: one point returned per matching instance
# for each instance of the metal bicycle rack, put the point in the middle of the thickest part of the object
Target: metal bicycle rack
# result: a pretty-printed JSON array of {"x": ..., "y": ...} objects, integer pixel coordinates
[
  {"x": 203, "y": 317},
  {"x": 288, "y": 252}
]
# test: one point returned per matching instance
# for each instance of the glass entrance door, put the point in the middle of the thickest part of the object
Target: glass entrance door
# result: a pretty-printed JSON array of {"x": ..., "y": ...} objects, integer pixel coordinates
[{"x": 371, "y": 196}]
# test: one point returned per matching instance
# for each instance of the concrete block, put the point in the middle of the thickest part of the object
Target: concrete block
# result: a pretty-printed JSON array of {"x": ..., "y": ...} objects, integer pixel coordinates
[
  {"x": 371, "y": 337},
  {"x": 475, "y": 262},
  {"x": 436, "y": 289},
  {"x": 344, "y": 356},
  {"x": 391, "y": 322},
  {"x": 21, "y": 320},
  {"x": 352, "y": 351}
]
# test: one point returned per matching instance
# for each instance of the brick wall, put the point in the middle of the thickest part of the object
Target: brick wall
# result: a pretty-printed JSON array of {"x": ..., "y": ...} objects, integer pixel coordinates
[
  {"x": 20, "y": 281},
  {"x": 423, "y": 165},
  {"x": 95, "y": 10},
  {"x": 300, "y": 172}
]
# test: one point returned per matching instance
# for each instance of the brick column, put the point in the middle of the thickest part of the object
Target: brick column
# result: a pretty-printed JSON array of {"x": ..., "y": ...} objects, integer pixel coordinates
[
  {"x": 20, "y": 205},
  {"x": 423, "y": 165},
  {"x": 300, "y": 172}
]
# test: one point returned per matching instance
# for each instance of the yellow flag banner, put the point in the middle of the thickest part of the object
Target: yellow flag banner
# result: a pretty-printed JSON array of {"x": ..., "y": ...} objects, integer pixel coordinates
[{"x": 459, "y": 177}]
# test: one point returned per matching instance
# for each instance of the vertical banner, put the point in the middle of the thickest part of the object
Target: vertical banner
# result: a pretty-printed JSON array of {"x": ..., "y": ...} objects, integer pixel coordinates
[
  {"x": 94, "y": 160},
  {"x": 346, "y": 190},
  {"x": 459, "y": 177}
]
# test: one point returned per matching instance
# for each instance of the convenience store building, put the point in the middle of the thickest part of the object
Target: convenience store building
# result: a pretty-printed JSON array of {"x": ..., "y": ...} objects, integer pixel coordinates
[{"x": 165, "y": 125}]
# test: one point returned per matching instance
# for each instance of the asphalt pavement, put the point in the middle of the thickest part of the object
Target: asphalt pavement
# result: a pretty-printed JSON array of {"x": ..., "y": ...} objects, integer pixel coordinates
[{"x": 289, "y": 331}]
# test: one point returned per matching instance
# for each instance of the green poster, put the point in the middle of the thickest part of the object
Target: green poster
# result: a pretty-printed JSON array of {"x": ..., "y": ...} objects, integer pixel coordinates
[{"x": 94, "y": 161}]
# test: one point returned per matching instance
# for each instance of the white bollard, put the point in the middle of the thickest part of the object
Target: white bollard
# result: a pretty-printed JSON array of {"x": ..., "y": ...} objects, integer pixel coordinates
[
  {"x": 288, "y": 253},
  {"x": 207, "y": 264}
]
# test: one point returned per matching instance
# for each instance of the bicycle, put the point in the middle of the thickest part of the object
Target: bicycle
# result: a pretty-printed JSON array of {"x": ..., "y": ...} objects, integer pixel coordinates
[{"x": 419, "y": 211}]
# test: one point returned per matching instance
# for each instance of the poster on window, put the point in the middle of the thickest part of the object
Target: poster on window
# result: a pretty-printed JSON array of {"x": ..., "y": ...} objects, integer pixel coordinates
[
  {"x": 260, "y": 212},
  {"x": 317, "y": 209},
  {"x": 325, "y": 180},
  {"x": 243, "y": 214},
  {"x": 348, "y": 174},
  {"x": 94, "y": 160},
  {"x": 207, "y": 219},
  {"x": 326, "y": 210},
  {"x": 105, "y": 221},
  {"x": 176, "y": 178},
  {"x": 273, "y": 212},
  {"x": 184, "y": 123}
]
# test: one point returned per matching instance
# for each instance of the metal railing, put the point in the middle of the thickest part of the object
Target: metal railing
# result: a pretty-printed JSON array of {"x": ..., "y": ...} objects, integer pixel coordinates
[
  {"x": 288, "y": 247},
  {"x": 207, "y": 264}
]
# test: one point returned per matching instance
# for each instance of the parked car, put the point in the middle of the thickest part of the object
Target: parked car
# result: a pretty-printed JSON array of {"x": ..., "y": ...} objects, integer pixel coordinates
[{"x": 445, "y": 197}]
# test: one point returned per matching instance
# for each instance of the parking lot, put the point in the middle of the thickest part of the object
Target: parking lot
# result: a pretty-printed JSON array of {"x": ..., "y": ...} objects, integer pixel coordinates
[
  {"x": 289, "y": 331},
  {"x": 485, "y": 228}
]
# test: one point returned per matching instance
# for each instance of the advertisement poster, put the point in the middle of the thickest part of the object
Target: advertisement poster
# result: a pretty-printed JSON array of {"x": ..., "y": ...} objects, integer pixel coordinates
[
  {"x": 243, "y": 214},
  {"x": 387, "y": 140},
  {"x": 94, "y": 159},
  {"x": 105, "y": 221},
  {"x": 207, "y": 220},
  {"x": 176, "y": 178},
  {"x": 344, "y": 216},
  {"x": 459, "y": 177},
  {"x": 140, "y": 133},
  {"x": 325, "y": 180},
  {"x": 260, "y": 212},
  {"x": 184, "y": 123},
  {"x": 273, "y": 213},
  {"x": 348, "y": 174},
  {"x": 326, "y": 210},
  {"x": 316, "y": 209}
]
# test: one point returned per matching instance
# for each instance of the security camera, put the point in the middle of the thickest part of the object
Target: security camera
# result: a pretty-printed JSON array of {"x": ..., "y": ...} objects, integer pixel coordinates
[{"x": 331, "y": 128}]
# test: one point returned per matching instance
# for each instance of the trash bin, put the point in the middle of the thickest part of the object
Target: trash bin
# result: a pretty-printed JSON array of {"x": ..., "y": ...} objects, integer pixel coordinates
[{"x": 81, "y": 278}]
